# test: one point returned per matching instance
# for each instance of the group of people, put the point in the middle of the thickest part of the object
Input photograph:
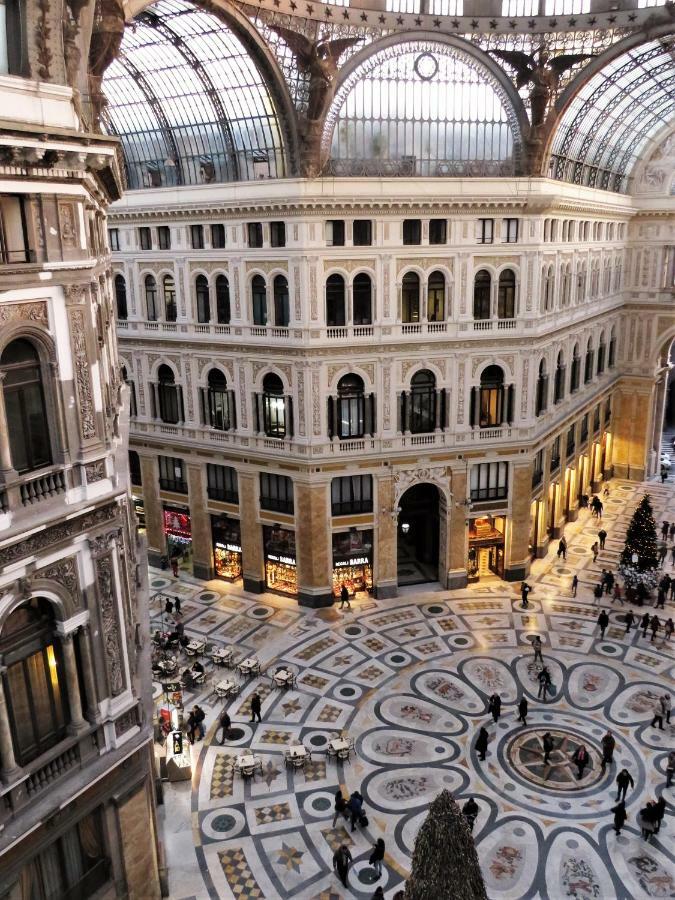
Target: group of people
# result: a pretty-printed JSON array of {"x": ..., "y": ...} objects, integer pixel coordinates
[
  {"x": 352, "y": 811},
  {"x": 195, "y": 724}
]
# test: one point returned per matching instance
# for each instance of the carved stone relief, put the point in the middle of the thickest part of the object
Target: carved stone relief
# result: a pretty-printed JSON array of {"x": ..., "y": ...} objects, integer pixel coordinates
[
  {"x": 386, "y": 400},
  {"x": 405, "y": 478},
  {"x": 28, "y": 312},
  {"x": 496, "y": 261},
  {"x": 237, "y": 292},
  {"x": 82, "y": 375},
  {"x": 68, "y": 224},
  {"x": 267, "y": 266},
  {"x": 426, "y": 262},
  {"x": 530, "y": 277},
  {"x": 523, "y": 398},
  {"x": 220, "y": 267},
  {"x": 349, "y": 265},
  {"x": 242, "y": 397},
  {"x": 385, "y": 285},
  {"x": 301, "y": 402},
  {"x": 57, "y": 533},
  {"x": 296, "y": 285},
  {"x": 111, "y": 632},
  {"x": 460, "y": 393},
  {"x": 95, "y": 471},
  {"x": 313, "y": 298},
  {"x": 64, "y": 572},
  {"x": 316, "y": 402},
  {"x": 126, "y": 721}
]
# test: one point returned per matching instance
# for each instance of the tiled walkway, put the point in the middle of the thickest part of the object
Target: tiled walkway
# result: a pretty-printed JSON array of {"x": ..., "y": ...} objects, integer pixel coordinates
[{"x": 409, "y": 679}]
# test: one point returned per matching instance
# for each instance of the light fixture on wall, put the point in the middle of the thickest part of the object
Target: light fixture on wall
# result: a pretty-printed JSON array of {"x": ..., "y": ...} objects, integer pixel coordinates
[
  {"x": 405, "y": 527},
  {"x": 393, "y": 513}
]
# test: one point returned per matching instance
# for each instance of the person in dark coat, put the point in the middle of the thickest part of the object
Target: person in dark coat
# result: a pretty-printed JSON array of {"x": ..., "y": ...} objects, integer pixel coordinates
[
  {"x": 608, "y": 744},
  {"x": 225, "y": 723},
  {"x": 547, "y": 743},
  {"x": 168, "y": 606},
  {"x": 602, "y": 537},
  {"x": 562, "y": 548},
  {"x": 176, "y": 605},
  {"x": 603, "y": 622},
  {"x": 629, "y": 619},
  {"x": 379, "y": 893},
  {"x": 575, "y": 585},
  {"x": 623, "y": 779},
  {"x": 647, "y": 819},
  {"x": 664, "y": 529},
  {"x": 482, "y": 742},
  {"x": 582, "y": 759},
  {"x": 659, "y": 812},
  {"x": 470, "y": 812},
  {"x": 495, "y": 707},
  {"x": 654, "y": 625},
  {"x": 620, "y": 816},
  {"x": 544, "y": 679},
  {"x": 377, "y": 856},
  {"x": 256, "y": 704},
  {"x": 355, "y": 807},
  {"x": 344, "y": 597},
  {"x": 597, "y": 591},
  {"x": 608, "y": 582},
  {"x": 522, "y": 710},
  {"x": 644, "y": 624},
  {"x": 191, "y": 727},
  {"x": 342, "y": 860},
  {"x": 524, "y": 593},
  {"x": 340, "y": 807},
  {"x": 536, "y": 646}
]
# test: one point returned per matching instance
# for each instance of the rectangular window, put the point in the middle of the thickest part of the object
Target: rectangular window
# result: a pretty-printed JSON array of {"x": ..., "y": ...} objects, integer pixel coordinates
[
  {"x": 145, "y": 238},
  {"x": 485, "y": 233},
  {"x": 172, "y": 474},
  {"x": 362, "y": 233},
  {"x": 218, "y": 237},
  {"x": 164, "y": 237},
  {"x": 114, "y": 238},
  {"x": 571, "y": 440},
  {"x": 596, "y": 420},
  {"x": 197, "y": 235},
  {"x": 278, "y": 234},
  {"x": 509, "y": 231},
  {"x": 255, "y": 234},
  {"x": 538, "y": 469},
  {"x": 412, "y": 231},
  {"x": 222, "y": 483},
  {"x": 438, "y": 231},
  {"x": 276, "y": 493},
  {"x": 555, "y": 454},
  {"x": 335, "y": 233},
  {"x": 351, "y": 494},
  {"x": 35, "y": 699},
  {"x": 584, "y": 428},
  {"x": 490, "y": 481}
]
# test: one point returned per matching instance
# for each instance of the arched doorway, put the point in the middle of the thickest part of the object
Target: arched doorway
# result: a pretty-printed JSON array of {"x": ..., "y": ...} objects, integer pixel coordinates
[{"x": 418, "y": 535}]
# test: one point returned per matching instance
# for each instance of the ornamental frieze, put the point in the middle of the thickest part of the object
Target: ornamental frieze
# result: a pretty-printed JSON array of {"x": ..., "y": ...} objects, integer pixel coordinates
[
  {"x": 27, "y": 312},
  {"x": 48, "y": 537},
  {"x": 406, "y": 478},
  {"x": 82, "y": 375},
  {"x": 348, "y": 265},
  {"x": 267, "y": 266},
  {"x": 196, "y": 267},
  {"x": 426, "y": 262},
  {"x": 95, "y": 471},
  {"x": 496, "y": 261},
  {"x": 64, "y": 572},
  {"x": 111, "y": 633}
]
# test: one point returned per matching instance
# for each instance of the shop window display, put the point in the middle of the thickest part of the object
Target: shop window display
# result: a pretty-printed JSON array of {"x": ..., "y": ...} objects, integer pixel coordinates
[
  {"x": 280, "y": 562},
  {"x": 353, "y": 561},
  {"x": 226, "y": 534},
  {"x": 486, "y": 547}
]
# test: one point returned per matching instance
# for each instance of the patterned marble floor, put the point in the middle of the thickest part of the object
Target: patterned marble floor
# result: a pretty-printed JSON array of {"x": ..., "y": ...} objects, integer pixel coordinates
[{"x": 409, "y": 679}]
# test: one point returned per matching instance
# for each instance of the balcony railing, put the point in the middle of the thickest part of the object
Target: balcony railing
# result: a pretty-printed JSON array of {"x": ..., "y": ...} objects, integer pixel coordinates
[{"x": 41, "y": 487}]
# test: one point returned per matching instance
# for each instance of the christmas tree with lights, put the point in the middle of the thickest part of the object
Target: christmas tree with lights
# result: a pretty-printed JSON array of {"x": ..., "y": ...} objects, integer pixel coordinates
[
  {"x": 445, "y": 863},
  {"x": 639, "y": 558}
]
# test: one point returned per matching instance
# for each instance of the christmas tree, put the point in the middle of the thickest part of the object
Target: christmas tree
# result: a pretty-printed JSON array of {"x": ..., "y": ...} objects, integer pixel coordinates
[
  {"x": 445, "y": 863},
  {"x": 639, "y": 559}
]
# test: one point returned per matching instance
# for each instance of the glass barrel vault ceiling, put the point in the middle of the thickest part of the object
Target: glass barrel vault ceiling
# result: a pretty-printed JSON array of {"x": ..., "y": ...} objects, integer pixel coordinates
[
  {"x": 610, "y": 122},
  {"x": 189, "y": 103}
]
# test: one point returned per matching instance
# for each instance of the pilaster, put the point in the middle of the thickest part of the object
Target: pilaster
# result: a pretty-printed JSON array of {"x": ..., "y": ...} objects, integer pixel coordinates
[
  {"x": 154, "y": 523},
  {"x": 253, "y": 566},
  {"x": 385, "y": 582},
  {"x": 517, "y": 551},
  {"x": 202, "y": 545},
  {"x": 313, "y": 546}
]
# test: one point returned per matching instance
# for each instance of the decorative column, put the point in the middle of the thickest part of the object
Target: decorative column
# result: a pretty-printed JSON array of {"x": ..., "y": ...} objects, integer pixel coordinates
[
  {"x": 9, "y": 768},
  {"x": 84, "y": 643},
  {"x": 315, "y": 562},
  {"x": 77, "y": 722}
]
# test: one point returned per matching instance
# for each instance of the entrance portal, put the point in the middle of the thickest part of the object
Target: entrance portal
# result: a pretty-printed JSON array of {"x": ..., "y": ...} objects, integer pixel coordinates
[{"x": 418, "y": 535}]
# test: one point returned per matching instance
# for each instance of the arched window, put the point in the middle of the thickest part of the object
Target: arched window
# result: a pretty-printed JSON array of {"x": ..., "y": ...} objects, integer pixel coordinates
[
  {"x": 547, "y": 287},
  {"x": 169, "y": 286},
  {"x": 121, "y": 297},
  {"x": 617, "y": 274},
  {"x": 351, "y": 401},
  {"x": 607, "y": 277},
  {"x": 203, "y": 299},
  {"x": 436, "y": 297},
  {"x": 274, "y": 407},
  {"x": 559, "y": 387},
  {"x": 336, "y": 315},
  {"x": 588, "y": 367},
  {"x": 506, "y": 296},
  {"x": 581, "y": 283},
  {"x": 482, "y": 288},
  {"x": 566, "y": 288},
  {"x": 491, "y": 403},
  {"x": 602, "y": 350},
  {"x": 422, "y": 402},
  {"x": 362, "y": 299},
  {"x": 151, "y": 297},
  {"x": 169, "y": 397},
  {"x": 576, "y": 370},
  {"x": 410, "y": 297},
  {"x": 33, "y": 680},
  {"x": 611, "y": 357},
  {"x": 281, "y": 306},
  {"x": 218, "y": 402},
  {"x": 259, "y": 300},
  {"x": 223, "y": 300},
  {"x": 541, "y": 401},
  {"x": 27, "y": 421}
]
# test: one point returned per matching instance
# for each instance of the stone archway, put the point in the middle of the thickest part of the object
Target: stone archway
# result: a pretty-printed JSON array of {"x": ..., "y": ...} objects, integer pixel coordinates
[{"x": 418, "y": 535}]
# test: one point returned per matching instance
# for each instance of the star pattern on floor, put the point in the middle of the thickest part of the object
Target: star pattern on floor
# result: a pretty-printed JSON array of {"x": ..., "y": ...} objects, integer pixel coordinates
[{"x": 290, "y": 857}]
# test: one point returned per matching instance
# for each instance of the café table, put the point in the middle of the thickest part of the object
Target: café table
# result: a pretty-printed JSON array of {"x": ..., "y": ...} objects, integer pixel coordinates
[{"x": 248, "y": 666}]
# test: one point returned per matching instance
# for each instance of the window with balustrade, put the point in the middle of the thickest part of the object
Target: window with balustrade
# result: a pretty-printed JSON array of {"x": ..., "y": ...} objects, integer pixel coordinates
[
  {"x": 281, "y": 302},
  {"x": 336, "y": 311},
  {"x": 506, "y": 295},
  {"x": 218, "y": 404},
  {"x": 277, "y": 234},
  {"x": 167, "y": 397},
  {"x": 222, "y": 300},
  {"x": 145, "y": 237},
  {"x": 436, "y": 297},
  {"x": 25, "y": 408},
  {"x": 150, "y": 288},
  {"x": 276, "y": 493},
  {"x": 197, "y": 237},
  {"x": 362, "y": 232},
  {"x": 255, "y": 234},
  {"x": 170, "y": 306},
  {"x": 203, "y": 298},
  {"x": 218, "y": 236},
  {"x": 351, "y": 413},
  {"x": 121, "y": 298},
  {"x": 335, "y": 232},
  {"x": 491, "y": 401},
  {"x": 541, "y": 398},
  {"x": 410, "y": 297},
  {"x": 274, "y": 410},
  {"x": 259, "y": 300},
  {"x": 588, "y": 365},
  {"x": 559, "y": 386},
  {"x": 422, "y": 409},
  {"x": 164, "y": 237},
  {"x": 133, "y": 409},
  {"x": 362, "y": 299},
  {"x": 575, "y": 376},
  {"x": 482, "y": 295},
  {"x": 438, "y": 231},
  {"x": 412, "y": 231}
]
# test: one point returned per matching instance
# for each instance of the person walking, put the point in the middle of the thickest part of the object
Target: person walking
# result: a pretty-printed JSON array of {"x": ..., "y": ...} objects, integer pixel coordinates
[
  {"x": 562, "y": 548},
  {"x": 594, "y": 551},
  {"x": 609, "y": 582},
  {"x": 536, "y": 646},
  {"x": 355, "y": 807},
  {"x": 663, "y": 552},
  {"x": 608, "y": 744},
  {"x": 657, "y": 709},
  {"x": 644, "y": 624},
  {"x": 174, "y": 566},
  {"x": 339, "y": 807},
  {"x": 482, "y": 743},
  {"x": 659, "y": 812},
  {"x": 603, "y": 622},
  {"x": 654, "y": 625},
  {"x": 668, "y": 628},
  {"x": 671, "y": 531},
  {"x": 200, "y": 715},
  {"x": 629, "y": 619},
  {"x": 256, "y": 704},
  {"x": 670, "y": 768},
  {"x": 581, "y": 758},
  {"x": 620, "y": 816},
  {"x": 342, "y": 860},
  {"x": 665, "y": 527},
  {"x": 176, "y": 605},
  {"x": 602, "y": 537},
  {"x": 666, "y": 705},
  {"x": 344, "y": 597},
  {"x": 495, "y": 707},
  {"x": 522, "y": 710},
  {"x": 548, "y": 745},
  {"x": 379, "y": 893},
  {"x": 191, "y": 727},
  {"x": 597, "y": 592},
  {"x": 672, "y": 558},
  {"x": 544, "y": 679},
  {"x": 225, "y": 723},
  {"x": 647, "y": 819},
  {"x": 616, "y": 593},
  {"x": 597, "y": 506},
  {"x": 672, "y": 590},
  {"x": 660, "y": 599},
  {"x": 575, "y": 585},
  {"x": 168, "y": 606},
  {"x": 664, "y": 474},
  {"x": 524, "y": 593},
  {"x": 377, "y": 856},
  {"x": 623, "y": 780},
  {"x": 470, "y": 811}
]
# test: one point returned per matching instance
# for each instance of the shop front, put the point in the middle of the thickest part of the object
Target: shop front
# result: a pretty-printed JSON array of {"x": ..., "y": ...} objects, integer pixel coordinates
[
  {"x": 226, "y": 537},
  {"x": 486, "y": 547},
  {"x": 178, "y": 533},
  {"x": 281, "y": 572},
  {"x": 353, "y": 561}
]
